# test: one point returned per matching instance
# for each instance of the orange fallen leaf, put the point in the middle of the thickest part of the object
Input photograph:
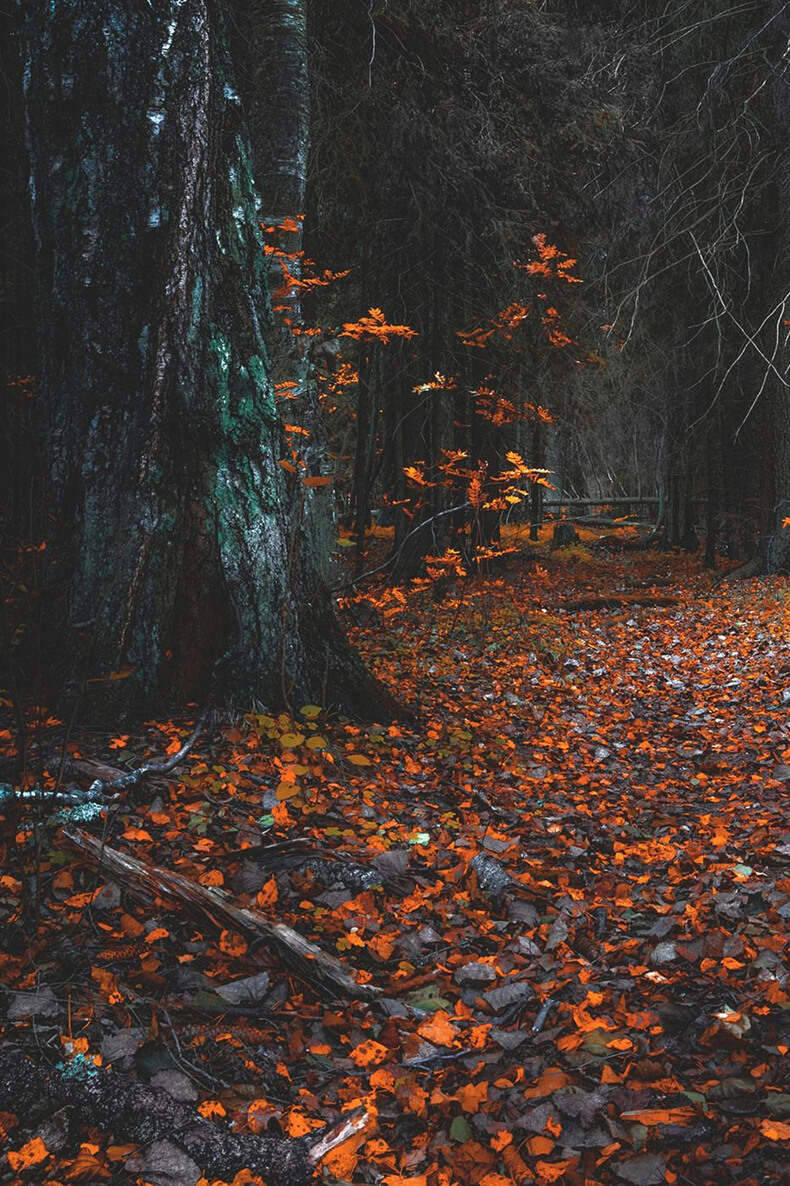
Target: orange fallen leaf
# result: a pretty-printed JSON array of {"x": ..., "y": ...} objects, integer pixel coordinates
[
  {"x": 552, "y": 1171},
  {"x": 551, "y": 1080},
  {"x": 212, "y": 877},
  {"x": 268, "y": 895},
  {"x": 157, "y": 934},
  {"x": 439, "y": 1029},
  {"x": 651, "y": 1116},
  {"x": 472, "y": 1095},
  {"x": 137, "y": 834},
  {"x": 368, "y": 1053},
  {"x": 233, "y": 944},
  {"x": 775, "y": 1130},
  {"x": 211, "y": 1108},
  {"x": 32, "y": 1153}
]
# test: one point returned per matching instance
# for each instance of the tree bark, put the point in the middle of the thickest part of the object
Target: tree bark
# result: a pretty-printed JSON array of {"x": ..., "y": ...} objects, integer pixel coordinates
[
  {"x": 178, "y": 555},
  {"x": 777, "y": 550},
  {"x": 147, "y": 1115}
]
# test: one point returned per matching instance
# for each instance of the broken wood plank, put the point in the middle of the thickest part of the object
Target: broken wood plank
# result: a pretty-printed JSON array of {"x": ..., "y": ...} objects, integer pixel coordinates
[{"x": 306, "y": 958}]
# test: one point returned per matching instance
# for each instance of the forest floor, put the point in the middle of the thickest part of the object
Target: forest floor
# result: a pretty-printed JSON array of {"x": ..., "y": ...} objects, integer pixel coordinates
[{"x": 570, "y": 880}]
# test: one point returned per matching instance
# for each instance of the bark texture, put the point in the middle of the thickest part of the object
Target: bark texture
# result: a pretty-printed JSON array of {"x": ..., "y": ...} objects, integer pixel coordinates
[
  {"x": 163, "y": 439},
  {"x": 146, "y": 1115},
  {"x": 778, "y": 535}
]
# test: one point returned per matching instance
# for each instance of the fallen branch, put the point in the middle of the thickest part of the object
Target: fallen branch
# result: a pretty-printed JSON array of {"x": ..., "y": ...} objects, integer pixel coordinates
[
  {"x": 324, "y": 864},
  {"x": 150, "y": 769},
  {"x": 107, "y": 787},
  {"x": 308, "y": 961},
  {"x": 619, "y": 600},
  {"x": 134, "y": 1112}
]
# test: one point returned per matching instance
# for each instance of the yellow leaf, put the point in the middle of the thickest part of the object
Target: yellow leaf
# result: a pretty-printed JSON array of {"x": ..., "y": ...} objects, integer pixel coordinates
[
  {"x": 291, "y": 740},
  {"x": 310, "y": 711},
  {"x": 287, "y": 790},
  {"x": 316, "y": 742},
  {"x": 358, "y": 760}
]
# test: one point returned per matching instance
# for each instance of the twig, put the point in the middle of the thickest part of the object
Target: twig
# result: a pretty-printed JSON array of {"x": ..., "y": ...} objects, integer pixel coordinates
[
  {"x": 543, "y": 1014},
  {"x": 149, "y": 769},
  {"x": 103, "y": 791}
]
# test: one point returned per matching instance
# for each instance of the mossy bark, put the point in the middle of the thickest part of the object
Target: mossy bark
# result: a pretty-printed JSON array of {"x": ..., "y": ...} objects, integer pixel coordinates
[{"x": 178, "y": 547}]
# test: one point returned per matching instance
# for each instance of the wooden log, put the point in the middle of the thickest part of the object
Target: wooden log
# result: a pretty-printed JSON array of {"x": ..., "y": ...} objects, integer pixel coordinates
[
  {"x": 132, "y": 1111},
  {"x": 619, "y": 600},
  {"x": 135, "y": 1112},
  {"x": 306, "y": 958}
]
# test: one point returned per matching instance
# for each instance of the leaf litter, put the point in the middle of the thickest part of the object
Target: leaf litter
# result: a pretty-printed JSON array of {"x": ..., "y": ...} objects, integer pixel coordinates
[{"x": 569, "y": 883}]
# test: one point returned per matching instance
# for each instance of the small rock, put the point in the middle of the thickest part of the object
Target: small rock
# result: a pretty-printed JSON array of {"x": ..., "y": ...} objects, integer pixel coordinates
[{"x": 164, "y": 1164}]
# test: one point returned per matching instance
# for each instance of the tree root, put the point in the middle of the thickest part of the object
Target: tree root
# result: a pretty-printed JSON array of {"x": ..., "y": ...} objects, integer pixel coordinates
[
  {"x": 743, "y": 572},
  {"x": 307, "y": 960}
]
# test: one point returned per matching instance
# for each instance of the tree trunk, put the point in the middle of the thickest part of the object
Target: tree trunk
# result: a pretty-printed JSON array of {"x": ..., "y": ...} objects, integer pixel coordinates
[
  {"x": 177, "y": 548},
  {"x": 777, "y": 551}
]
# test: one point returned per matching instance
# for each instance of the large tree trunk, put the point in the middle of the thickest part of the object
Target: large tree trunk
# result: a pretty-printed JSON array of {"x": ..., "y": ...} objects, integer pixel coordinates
[{"x": 160, "y": 423}]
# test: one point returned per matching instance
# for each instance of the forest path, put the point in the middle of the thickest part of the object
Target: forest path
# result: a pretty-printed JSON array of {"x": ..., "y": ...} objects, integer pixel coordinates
[{"x": 570, "y": 882}]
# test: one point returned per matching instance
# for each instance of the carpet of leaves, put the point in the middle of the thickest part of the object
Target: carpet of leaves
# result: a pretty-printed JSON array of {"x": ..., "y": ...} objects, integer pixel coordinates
[{"x": 570, "y": 878}]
